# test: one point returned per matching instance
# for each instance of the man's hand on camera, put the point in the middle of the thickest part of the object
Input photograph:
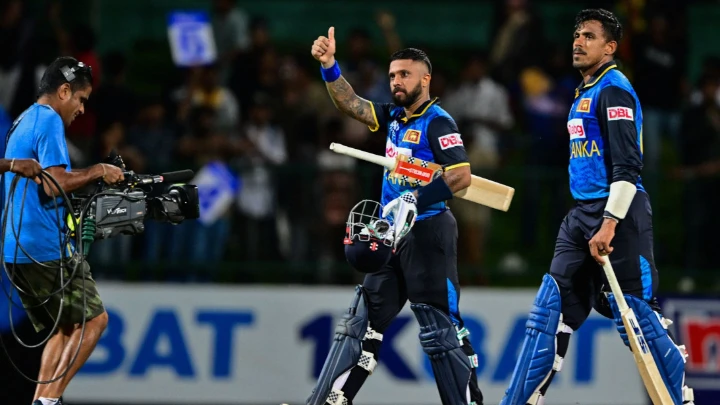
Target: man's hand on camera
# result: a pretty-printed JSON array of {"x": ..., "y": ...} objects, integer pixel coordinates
[
  {"x": 29, "y": 168},
  {"x": 111, "y": 174}
]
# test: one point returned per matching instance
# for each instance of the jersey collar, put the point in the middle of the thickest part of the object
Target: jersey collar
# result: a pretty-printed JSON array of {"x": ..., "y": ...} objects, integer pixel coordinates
[
  {"x": 596, "y": 77},
  {"x": 423, "y": 107}
]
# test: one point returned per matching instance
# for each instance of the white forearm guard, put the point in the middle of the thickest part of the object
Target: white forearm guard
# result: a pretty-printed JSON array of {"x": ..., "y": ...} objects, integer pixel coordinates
[{"x": 621, "y": 196}]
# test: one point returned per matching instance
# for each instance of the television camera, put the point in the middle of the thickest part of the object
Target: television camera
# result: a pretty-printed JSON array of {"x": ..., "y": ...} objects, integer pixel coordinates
[{"x": 108, "y": 210}]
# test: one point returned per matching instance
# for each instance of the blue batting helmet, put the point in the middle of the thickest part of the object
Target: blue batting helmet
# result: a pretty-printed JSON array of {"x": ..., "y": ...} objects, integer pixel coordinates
[{"x": 368, "y": 238}]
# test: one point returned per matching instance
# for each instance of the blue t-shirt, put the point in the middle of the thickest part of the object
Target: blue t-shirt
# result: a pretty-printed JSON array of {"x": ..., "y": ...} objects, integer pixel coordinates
[{"x": 38, "y": 134}]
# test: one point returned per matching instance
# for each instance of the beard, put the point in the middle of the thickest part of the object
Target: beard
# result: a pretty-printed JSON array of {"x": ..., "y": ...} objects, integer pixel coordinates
[
  {"x": 585, "y": 62},
  {"x": 405, "y": 99},
  {"x": 580, "y": 61},
  {"x": 580, "y": 65}
]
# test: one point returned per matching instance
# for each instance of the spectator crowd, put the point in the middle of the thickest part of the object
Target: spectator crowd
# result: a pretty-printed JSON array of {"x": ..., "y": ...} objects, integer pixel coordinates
[{"x": 263, "y": 119}]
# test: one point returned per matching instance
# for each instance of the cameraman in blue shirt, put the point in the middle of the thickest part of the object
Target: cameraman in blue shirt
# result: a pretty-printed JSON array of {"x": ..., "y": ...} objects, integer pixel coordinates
[{"x": 37, "y": 253}]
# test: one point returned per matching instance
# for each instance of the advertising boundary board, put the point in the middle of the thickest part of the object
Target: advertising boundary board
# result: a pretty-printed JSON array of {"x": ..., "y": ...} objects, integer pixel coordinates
[
  {"x": 696, "y": 323},
  {"x": 263, "y": 345}
]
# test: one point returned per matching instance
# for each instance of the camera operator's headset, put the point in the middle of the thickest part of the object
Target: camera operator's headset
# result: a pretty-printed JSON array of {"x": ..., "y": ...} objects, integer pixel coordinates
[{"x": 75, "y": 231}]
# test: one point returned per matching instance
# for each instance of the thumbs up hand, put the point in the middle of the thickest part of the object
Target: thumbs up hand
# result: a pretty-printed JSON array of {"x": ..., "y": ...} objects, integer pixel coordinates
[{"x": 323, "y": 49}]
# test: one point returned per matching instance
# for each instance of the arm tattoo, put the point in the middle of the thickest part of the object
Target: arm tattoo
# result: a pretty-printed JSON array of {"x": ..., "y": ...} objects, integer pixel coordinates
[{"x": 348, "y": 102}]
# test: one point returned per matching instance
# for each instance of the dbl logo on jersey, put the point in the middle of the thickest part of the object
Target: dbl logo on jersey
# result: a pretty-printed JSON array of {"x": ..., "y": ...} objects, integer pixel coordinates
[
  {"x": 450, "y": 141},
  {"x": 620, "y": 113},
  {"x": 696, "y": 323}
]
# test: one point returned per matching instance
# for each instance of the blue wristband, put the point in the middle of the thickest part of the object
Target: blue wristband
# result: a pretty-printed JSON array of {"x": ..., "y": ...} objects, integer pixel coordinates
[
  {"x": 330, "y": 74},
  {"x": 434, "y": 192}
]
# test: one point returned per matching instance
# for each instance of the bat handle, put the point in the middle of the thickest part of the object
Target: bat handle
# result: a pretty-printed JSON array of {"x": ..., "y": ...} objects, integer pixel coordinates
[
  {"x": 614, "y": 284},
  {"x": 362, "y": 155}
]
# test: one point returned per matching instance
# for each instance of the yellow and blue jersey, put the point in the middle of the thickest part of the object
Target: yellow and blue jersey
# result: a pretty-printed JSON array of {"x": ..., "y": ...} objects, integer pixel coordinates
[
  {"x": 429, "y": 134},
  {"x": 605, "y": 127}
]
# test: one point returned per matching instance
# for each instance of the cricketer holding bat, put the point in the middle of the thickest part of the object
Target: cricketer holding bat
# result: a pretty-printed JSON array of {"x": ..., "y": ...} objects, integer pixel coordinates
[
  {"x": 612, "y": 214},
  {"x": 424, "y": 268}
]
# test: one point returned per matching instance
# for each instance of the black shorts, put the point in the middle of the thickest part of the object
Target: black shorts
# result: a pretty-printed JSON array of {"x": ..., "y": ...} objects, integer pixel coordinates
[
  {"x": 581, "y": 279},
  {"x": 423, "y": 270}
]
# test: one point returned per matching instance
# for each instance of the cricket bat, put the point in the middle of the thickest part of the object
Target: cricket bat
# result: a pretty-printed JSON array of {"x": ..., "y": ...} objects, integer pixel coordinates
[
  {"x": 641, "y": 352},
  {"x": 420, "y": 172}
]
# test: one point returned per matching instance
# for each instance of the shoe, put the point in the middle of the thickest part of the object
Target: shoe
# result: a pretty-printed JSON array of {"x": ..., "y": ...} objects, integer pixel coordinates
[{"x": 59, "y": 402}]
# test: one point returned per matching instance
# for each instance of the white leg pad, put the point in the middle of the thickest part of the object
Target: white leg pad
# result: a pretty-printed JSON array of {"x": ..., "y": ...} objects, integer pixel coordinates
[
  {"x": 371, "y": 334},
  {"x": 337, "y": 397},
  {"x": 536, "y": 399},
  {"x": 367, "y": 361},
  {"x": 688, "y": 396}
]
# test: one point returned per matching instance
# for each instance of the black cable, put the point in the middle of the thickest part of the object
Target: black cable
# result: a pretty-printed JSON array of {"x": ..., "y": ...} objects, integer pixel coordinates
[
  {"x": 77, "y": 258},
  {"x": 16, "y": 234}
]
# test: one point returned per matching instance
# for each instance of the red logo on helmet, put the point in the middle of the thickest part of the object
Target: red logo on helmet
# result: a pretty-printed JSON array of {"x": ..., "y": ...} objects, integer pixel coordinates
[{"x": 374, "y": 246}]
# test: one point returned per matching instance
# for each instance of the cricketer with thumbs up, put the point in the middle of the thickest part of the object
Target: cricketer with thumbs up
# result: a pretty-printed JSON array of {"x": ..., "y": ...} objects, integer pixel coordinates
[{"x": 423, "y": 268}]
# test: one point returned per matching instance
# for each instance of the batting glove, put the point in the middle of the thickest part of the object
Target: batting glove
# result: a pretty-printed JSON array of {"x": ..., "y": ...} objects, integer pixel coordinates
[{"x": 403, "y": 211}]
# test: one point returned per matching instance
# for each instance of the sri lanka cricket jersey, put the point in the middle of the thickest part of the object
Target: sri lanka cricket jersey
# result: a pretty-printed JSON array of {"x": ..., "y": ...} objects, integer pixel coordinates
[
  {"x": 429, "y": 134},
  {"x": 605, "y": 128}
]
